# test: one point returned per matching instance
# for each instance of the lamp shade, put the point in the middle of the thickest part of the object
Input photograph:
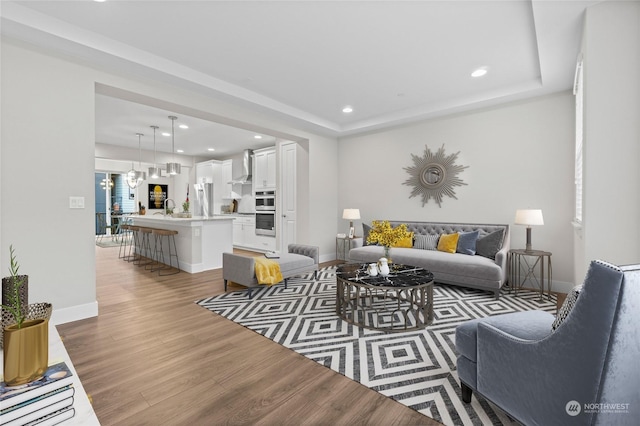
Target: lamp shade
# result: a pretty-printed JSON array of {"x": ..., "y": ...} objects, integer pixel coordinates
[
  {"x": 529, "y": 217},
  {"x": 173, "y": 168},
  {"x": 155, "y": 172},
  {"x": 351, "y": 214}
]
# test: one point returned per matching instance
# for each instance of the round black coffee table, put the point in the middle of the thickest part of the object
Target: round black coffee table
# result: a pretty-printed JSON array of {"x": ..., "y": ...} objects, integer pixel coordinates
[{"x": 402, "y": 301}]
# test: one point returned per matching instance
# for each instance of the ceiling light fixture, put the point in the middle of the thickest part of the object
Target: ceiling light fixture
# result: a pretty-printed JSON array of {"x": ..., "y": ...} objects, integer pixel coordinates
[
  {"x": 257, "y": 137},
  {"x": 106, "y": 183},
  {"x": 166, "y": 134},
  {"x": 183, "y": 126},
  {"x": 347, "y": 109},
  {"x": 173, "y": 168},
  {"x": 135, "y": 178},
  {"x": 155, "y": 172},
  {"x": 211, "y": 149},
  {"x": 480, "y": 72}
]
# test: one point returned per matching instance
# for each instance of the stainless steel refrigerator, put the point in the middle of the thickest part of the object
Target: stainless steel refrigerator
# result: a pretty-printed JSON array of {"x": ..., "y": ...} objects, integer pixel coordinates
[{"x": 204, "y": 199}]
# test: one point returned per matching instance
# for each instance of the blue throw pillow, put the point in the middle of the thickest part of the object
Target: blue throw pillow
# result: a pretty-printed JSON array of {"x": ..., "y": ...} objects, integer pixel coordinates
[{"x": 467, "y": 242}]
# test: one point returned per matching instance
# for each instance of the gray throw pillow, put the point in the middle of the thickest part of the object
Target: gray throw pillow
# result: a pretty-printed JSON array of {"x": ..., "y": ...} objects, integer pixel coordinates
[
  {"x": 566, "y": 307},
  {"x": 426, "y": 242},
  {"x": 467, "y": 242},
  {"x": 490, "y": 244},
  {"x": 365, "y": 234}
]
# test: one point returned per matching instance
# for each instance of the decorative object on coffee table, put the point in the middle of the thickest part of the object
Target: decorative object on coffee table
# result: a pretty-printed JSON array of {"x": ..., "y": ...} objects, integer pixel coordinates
[
  {"x": 385, "y": 235},
  {"x": 434, "y": 175},
  {"x": 25, "y": 332}
]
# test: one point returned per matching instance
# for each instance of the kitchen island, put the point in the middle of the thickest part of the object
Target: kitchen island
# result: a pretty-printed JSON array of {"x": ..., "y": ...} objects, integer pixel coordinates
[{"x": 200, "y": 240}]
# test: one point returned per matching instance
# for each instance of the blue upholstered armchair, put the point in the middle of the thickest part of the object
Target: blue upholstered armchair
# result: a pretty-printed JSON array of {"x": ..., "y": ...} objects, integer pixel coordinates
[{"x": 586, "y": 372}]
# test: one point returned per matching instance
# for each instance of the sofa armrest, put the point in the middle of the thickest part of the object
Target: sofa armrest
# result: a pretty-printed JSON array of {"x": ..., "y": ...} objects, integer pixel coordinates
[
  {"x": 310, "y": 251},
  {"x": 502, "y": 258},
  {"x": 239, "y": 269},
  {"x": 357, "y": 242}
]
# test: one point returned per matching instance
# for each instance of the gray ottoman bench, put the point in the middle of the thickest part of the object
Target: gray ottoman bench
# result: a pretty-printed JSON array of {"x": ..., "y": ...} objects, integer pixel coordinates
[{"x": 300, "y": 259}]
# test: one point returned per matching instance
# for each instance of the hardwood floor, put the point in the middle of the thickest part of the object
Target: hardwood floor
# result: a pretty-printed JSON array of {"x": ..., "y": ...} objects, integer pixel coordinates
[{"x": 153, "y": 357}]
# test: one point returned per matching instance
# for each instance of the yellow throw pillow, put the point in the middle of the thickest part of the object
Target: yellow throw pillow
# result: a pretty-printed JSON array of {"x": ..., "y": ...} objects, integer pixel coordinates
[
  {"x": 448, "y": 243},
  {"x": 406, "y": 241}
]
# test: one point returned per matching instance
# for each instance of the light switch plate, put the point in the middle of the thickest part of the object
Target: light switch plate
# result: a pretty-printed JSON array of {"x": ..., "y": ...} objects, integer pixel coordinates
[{"x": 76, "y": 202}]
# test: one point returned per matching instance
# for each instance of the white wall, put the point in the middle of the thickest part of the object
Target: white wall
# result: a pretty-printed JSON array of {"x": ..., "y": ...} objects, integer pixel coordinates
[
  {"x": 520, "y": 155},
  {"x": 611, "y": 228},
  {"x": 47, "y": 154}
]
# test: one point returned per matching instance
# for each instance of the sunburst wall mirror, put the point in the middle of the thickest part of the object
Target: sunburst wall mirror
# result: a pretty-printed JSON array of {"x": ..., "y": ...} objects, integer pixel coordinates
[{"x": 434, "y": 175}]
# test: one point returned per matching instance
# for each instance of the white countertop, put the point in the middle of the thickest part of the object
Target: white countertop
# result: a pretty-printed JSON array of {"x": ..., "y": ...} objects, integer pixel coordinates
[{"x": 170, "y": 219}]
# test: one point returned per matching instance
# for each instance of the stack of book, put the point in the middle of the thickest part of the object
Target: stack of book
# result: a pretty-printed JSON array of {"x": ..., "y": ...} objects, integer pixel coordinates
[{"x": 43, "y": 402}]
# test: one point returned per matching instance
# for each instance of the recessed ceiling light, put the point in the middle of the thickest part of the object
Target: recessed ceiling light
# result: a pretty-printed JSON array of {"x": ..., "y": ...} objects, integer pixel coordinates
[
  {"x": 211, "y": 149},
  {"x": 347, "y": 109},
  {"x": 257, "y": 137},
  {"x": 179, "y": 150},
  {"x": 480, "y": 72},
  {"x": 167, "y": 134},
  {"x": 183, "y": 126},
  {"x": 99, "y": 1}
]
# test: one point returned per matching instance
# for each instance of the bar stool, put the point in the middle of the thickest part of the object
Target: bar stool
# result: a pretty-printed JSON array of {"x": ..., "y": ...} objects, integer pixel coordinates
[
  {"x": 159, "y": 253},
  {"x": 145, "y": 246},
  {"x": 125, "y": 242},
  {"x": 135, "y": 244}
]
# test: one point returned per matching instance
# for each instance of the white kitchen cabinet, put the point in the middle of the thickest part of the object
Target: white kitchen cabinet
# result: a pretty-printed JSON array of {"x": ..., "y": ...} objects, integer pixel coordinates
[
  {"x": 265, "y": 243},
  {"x": 264, "y": 174},
  {"x": 227, "y": 177},
  {"x": 244, "y": 231},
  {"x": 204, "y": 171}
]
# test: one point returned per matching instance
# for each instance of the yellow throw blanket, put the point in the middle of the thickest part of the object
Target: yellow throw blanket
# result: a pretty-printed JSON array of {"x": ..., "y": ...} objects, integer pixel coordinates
[{"x": 267, "y": 271}]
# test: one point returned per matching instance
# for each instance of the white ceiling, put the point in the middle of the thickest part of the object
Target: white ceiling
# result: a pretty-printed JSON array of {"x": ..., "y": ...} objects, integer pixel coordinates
[{"x": 393, "y": 61}]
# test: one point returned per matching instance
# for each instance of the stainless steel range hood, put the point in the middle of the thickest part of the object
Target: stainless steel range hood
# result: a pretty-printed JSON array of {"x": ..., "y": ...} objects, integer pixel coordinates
[{"x": 246, "y": 168}]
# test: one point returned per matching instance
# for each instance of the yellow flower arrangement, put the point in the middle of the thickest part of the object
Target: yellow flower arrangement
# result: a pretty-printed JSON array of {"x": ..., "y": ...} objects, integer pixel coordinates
[{"x": 383, "y": 234}]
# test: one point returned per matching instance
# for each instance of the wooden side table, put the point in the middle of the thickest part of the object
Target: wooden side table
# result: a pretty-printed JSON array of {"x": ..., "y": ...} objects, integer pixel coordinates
[{"x": 522, "y": 268}]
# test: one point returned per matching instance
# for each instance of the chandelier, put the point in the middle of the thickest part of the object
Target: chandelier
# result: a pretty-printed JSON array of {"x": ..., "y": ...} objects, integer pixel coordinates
[
  {"x": 155, "y": 172},
  {"x": 173, "y": 168},
  {"x": 135, "y": 178}
]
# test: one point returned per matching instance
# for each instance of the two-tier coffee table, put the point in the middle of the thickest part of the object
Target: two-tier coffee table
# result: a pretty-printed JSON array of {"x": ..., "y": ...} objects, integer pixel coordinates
[{"x": 402, "y": 301}]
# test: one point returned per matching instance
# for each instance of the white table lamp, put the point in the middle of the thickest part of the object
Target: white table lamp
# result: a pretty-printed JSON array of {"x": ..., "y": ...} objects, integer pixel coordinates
[
  {"x": 351, "y": 215},
  {"x": 529, "y": 218}
]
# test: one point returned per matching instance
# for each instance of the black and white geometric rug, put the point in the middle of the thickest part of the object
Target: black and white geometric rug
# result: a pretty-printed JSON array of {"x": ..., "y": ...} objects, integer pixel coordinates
[{"x": 417, "y": 369}]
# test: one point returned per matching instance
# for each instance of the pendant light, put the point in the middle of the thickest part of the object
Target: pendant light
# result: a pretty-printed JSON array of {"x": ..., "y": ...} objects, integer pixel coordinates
[
  {"x": 135, "y": 178},
  {"x": 155, "y": 172},
  {"x": 173, "y": 168}
]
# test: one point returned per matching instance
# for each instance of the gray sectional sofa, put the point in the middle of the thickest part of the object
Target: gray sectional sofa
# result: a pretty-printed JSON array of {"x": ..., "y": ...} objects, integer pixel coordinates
[{"x": 485, "y": 270}]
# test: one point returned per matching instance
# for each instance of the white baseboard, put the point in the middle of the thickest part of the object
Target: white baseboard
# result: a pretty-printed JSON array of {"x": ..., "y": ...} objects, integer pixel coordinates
[
  {"x": 562, "y": 286},
  {"x": 326, "y": 258},
  {"x": 74, "y": 313}
]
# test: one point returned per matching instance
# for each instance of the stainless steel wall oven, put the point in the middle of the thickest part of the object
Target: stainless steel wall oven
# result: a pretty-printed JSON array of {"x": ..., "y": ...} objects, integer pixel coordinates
[
  {"x": 265, "y": 223},
  {"x": 265, "y": 200}
]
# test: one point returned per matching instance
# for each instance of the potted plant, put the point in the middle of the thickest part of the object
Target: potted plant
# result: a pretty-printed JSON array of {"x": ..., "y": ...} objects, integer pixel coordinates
[
  {"x": 385, "y": 235},
  {"x": 25, "y": 331}
]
